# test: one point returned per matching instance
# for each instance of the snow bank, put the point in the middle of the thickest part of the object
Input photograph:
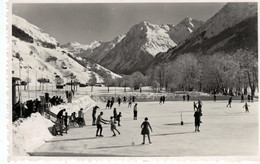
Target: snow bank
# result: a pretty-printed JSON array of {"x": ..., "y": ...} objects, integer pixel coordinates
[
  {"x": 29, "y": 133},
  {"x": 84, "y": 102}
]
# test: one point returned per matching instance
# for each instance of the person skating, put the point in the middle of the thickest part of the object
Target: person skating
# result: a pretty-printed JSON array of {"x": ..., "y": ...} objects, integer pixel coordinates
[
  {"x": 246, "y": 107},
  {"x": 99, "y": 126},
  {"x": 188, "y": 97},
  {"x": 113, "y": 126},
  {"x": 183, "y": 97},
  {"x": 94, "y": 115},
  {"x": 135, "y": 111},
  {"x": 119, "y": 101},
  {"x": 118, "y": 118},
  {"x": 112, "y": 102},
  {"x": 145, "y": 130},
  {"x": 108, "y": 104},
  {"x": 115, "y": 114},
  {"x": 197, "y": 116},
  {"x": 229, "y": 102}
]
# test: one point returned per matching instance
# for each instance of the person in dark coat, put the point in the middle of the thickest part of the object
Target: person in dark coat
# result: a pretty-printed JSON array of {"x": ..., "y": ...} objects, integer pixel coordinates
[
  {"x": 229, "y": 102},
  {"x": 119, "y": 101},
  {"x": 145, "y": 130},
  {"x": 108, "y": 104},
  {"x": 66, "y": 120},
  {"x": 197, "y": 116},
  {"x": 60, "y": 113},
  {"x": 133, "y": 99},
  {"x": 135, "y": 111},
  {"x": 183, "y": 97},
  {"x": 115, "y": 114},
  {"x": 215, "y": 97},
  {"x": 188, "y": 97},
  {"x": 161, "y": 99},
  {"x": 94, "y": 115},
  {"x": 124, "y": 99},
  {"x": 118, "y": 118},
  {"x": 248, "y": 98},
  {"x": 112, "y": 102}
]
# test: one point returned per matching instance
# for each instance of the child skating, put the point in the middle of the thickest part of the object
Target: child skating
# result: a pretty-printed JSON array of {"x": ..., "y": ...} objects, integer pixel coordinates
[
  {"x": 145, "y": 130},
  {"x": 197, "y": 116},
  {"x": 246, "y": 107},
  {"x": 113, "y": 126}
]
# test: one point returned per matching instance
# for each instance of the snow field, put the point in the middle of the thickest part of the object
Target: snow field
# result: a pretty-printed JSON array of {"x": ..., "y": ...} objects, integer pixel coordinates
[{"x": 224, "y": 132}]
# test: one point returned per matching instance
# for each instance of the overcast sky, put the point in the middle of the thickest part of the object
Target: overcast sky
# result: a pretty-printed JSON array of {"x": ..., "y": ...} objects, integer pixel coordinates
[{"x": 86, "y": 23}]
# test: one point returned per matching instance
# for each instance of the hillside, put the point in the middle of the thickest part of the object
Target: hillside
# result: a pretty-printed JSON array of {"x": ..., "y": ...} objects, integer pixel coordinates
[
  {"x": 37, "y": 55},
  {"x": 233, "y": 27}
]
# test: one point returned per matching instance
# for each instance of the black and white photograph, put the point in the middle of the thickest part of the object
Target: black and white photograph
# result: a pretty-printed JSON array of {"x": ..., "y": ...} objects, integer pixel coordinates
[{"x": 133, "y": 79}]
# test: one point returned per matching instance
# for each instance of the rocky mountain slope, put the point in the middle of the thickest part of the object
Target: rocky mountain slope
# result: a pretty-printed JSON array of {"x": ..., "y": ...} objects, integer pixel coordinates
[{"x": 232, "y": 28}]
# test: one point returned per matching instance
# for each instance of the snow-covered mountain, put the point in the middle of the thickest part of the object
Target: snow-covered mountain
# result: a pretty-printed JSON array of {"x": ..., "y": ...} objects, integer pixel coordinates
[
  {"x": 232, "y": 28},
  {"x": 77, "y": 47},
  {"x": 100, "y": 52},
  {"x": 137, "y": 48},
  {"x": 182, "y": 30},
  {"x": 37, "y": 55}
]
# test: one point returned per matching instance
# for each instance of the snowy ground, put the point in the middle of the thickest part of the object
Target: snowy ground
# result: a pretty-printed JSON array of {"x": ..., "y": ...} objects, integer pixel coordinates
[
  {"x": 224, "y": 132},
  {"x": 30, "y": 133}
]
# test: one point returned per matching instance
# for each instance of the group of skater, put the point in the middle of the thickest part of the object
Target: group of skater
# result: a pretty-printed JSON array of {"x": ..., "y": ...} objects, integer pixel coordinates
[
  {"x": 115, "y": 118},
  {"x": 242, "y": 100}
]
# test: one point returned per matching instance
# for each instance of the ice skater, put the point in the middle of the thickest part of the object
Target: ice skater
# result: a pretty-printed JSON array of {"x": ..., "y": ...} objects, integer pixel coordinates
[
  {"x": 119, "y": 101},
  {"x": 99, "y": 126},
  {"x": 145, "y": 130},
  {"x": 113, "y": 126},
  {"x": 94, "y": 115},
  {"x": 118, "y": 118},
  {"x": 135, "y": 111},
  {"x": 197, "y": 116},
  {"x": 229, "y": 102},
  {"x": 124, "y": 99},
  {"x": 115, "y": 114},
  {"x": 108, "y": 104},
  {"x": 183, "y": 97},
  {"x": 246, "y": 108},
  {"x": 163, "y": 99}
]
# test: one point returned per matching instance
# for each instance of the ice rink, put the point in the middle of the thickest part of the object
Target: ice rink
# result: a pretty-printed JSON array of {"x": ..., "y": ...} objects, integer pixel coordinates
[{"x": 223, "y": 132}]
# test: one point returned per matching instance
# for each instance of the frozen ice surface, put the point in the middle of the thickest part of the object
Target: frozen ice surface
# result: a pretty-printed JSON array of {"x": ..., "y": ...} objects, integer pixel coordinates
[{"x": 224, "y": 132}]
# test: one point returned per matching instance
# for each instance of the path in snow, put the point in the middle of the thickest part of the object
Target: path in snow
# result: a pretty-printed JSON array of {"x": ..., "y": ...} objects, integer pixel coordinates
[{"x": 224, "y": 132}]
